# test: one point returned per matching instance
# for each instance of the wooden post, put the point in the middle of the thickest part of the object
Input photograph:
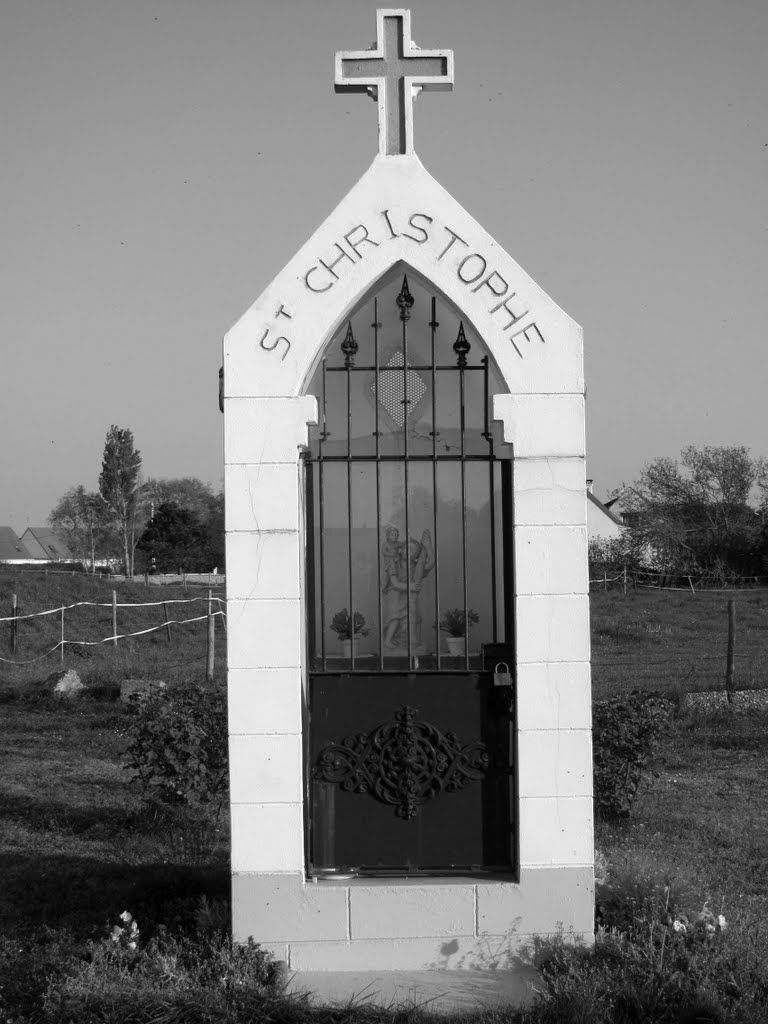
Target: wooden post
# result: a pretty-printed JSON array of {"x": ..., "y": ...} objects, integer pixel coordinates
[
  {"x": 114, "y": 618},
  {"x": 730, "y": 669},
  {"x": 167, "y": 623},
  {"x": 625, "y": 581},
  {"x": 14, "y": 624},
  {"x": 62, "y": 634},
  {"x": 690, "y": 584},
  {"x": 211, "y": 641},
  {"x": 605, "y": 580}
]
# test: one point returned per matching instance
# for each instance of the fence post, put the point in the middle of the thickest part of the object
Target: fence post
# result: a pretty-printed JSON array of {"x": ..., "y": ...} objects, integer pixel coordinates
[
  {"x": 730, "y": 668},
  {"x": 167, "y": 623},
  {"x": 62, "y": 634},
  {"x": 14, "y": 623},
  {"x": 625, "y": 581},
  {"x": 114, "y": 618},
  {"x": 211, "y": 641}
]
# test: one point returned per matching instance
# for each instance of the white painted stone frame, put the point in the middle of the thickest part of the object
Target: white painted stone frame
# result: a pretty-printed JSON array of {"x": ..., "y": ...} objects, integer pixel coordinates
[{"x": 269, "y": 356}]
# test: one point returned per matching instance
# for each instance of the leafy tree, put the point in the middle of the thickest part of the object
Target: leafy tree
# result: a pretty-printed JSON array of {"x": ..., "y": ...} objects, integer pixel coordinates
[
  {"x": 696, "y": 513},
  {"x": 207, "y": 508},
  {"x": 119, "y": 489},
  {"x": 174, "y": 538},
  {"x": 187, "y": 492},
  {"x": 79, "y": 517}
]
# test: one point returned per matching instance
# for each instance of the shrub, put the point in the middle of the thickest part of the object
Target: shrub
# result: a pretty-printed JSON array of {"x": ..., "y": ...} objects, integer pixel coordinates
[
  {"x": 178, "y": 745},
  {"x": 624, "y": 731}
]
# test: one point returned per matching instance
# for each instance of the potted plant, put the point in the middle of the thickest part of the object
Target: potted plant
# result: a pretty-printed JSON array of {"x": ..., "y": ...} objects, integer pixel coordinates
[
  {"x": 348, "y": 628},
  {"x": 454, "y": 622}
]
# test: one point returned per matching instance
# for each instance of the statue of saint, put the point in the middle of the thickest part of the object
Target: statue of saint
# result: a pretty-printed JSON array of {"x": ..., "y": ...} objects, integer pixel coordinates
[{"x": 404, "y": 563}]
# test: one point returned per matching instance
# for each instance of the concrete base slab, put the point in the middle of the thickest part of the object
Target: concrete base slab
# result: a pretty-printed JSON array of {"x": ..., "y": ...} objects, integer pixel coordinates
[{"x": 435, "y": 991}]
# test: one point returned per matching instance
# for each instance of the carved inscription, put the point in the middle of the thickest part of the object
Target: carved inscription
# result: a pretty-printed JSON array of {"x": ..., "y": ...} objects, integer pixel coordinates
[
  {"x": 276, "y": 338},
  {"x": 472, "y": 268}
]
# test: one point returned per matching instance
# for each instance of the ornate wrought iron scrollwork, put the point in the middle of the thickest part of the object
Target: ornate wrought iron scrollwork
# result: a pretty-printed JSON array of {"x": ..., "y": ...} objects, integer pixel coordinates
[{"x": 404, "y": 763}]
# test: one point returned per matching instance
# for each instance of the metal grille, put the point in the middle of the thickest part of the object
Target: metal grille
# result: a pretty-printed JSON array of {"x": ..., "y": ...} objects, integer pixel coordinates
[
  {"x": 409, "y": 450},
  {"x": 393, "y": 385}
]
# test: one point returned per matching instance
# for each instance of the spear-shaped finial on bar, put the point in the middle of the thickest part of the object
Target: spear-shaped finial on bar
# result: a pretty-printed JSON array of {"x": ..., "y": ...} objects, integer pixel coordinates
[
  {"x": 405, "y": 300},
  {"x": 461, "y": 346},
  {"x": 349, "y": 347}
]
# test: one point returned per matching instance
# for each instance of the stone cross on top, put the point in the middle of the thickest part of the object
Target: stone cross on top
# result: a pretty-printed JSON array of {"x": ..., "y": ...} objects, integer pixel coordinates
[{"x": 394, "y": 71}]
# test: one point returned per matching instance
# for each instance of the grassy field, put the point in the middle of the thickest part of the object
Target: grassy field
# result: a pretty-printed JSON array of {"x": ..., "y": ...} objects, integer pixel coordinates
[
  {"x": 676, "y": 641},
  {"x": 78, "y": 846},
  {"x": 180, "y": 660},
  {"x": 646, "y": 639}
]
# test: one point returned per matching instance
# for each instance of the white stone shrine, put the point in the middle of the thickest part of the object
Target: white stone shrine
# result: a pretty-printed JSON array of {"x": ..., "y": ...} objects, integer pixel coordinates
[{"x": 404, "y": 438}]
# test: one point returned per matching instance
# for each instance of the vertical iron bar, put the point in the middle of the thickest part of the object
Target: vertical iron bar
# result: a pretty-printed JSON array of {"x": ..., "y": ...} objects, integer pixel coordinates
[
  {"x": 321, "y": 499},
  {"x": 507, "y": 539},
  {"x": 376, "y": 370},
  {"x": 309, "y": 480},
  {"x": 405, "y": 484},
  {"x": 349, "y": 517},
  {"x": 378, "y": 477},
  {"x": 462, "y": 422},
  {"x": 434, "y": 325},
  {"x": 492, "y": 496},
  {"x": 494, "y": 597}
]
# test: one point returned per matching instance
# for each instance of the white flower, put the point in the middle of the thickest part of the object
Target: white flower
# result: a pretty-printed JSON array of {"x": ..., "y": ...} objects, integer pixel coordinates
[
  {"x": 117, "y": 931},
  {"x": 721, "y": 922},
  {"x": 679, "y": 926},
  {"x": 126, "y": 916}
]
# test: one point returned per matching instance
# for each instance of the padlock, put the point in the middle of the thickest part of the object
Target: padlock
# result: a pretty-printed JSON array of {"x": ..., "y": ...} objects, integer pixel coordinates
[{"x": 501, "y": 674}]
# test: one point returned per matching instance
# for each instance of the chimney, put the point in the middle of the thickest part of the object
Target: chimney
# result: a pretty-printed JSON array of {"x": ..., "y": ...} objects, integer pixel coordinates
[{"x": 590, "y": 485}]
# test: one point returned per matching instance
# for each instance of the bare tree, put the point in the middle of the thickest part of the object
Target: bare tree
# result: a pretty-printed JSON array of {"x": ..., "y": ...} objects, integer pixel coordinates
[
  {"x": 79, "y": 517},
  {"x": 697, "y": 511}
]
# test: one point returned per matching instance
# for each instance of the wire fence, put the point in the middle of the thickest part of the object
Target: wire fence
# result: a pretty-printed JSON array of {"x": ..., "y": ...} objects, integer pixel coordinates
[
  {"x": 79, "y": 641},
  {"x": 657, "y": 580}
]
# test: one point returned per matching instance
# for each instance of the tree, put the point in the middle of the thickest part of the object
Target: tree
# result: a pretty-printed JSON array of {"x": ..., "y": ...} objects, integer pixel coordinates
[
  {"x": 696, "y": 513},
  {"x": 182, "y": 538},
  {"x": 174, "y": 538},
  {"x": 207, "y": 507},
  {"x": 79, "y": 517},
  {"x": 119, "y": 488},
  {"x": 187, "y": 492}
]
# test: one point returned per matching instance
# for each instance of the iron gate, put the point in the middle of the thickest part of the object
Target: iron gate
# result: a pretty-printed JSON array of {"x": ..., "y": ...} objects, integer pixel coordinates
[{"x": 408, "y": 509}]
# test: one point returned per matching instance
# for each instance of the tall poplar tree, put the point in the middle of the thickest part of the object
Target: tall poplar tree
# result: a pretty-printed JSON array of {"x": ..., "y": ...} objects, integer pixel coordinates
[{"x": 119, "y": 488}]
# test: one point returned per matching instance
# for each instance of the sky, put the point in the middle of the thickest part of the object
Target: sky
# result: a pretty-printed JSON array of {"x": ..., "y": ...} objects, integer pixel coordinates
[{"x": 163, "y": 160}]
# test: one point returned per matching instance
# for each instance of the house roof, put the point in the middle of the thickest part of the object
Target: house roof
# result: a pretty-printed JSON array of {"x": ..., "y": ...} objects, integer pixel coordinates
[
  {"x": 604, "y": 508},
  {"x": 53, "y": 547},
  {"x": 10, "y": 545}
]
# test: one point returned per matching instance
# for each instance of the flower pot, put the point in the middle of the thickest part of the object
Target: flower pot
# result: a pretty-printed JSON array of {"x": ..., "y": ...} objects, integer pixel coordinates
[
  {"x": 456, "y": 646},
  {"x": 348, "y": 646}
]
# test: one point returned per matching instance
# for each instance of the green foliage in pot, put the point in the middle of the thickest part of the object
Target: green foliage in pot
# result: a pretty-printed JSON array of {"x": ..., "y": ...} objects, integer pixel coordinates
[
  {"x": 453, "y": 623},
  {"x": 348, "y": 627}
]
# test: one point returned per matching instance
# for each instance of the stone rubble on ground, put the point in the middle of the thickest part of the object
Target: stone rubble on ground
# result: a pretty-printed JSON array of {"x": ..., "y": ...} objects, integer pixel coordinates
[
  {"x": 66, "y": 684},
  {"x": 744, "y": 701}
]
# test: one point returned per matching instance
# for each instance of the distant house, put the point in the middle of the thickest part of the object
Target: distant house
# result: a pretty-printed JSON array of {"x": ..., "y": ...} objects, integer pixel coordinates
[
  {"x": 602, "y": 522},
  {"x": 42, "y": 543},
  {"x": 11, "y": 548}
]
